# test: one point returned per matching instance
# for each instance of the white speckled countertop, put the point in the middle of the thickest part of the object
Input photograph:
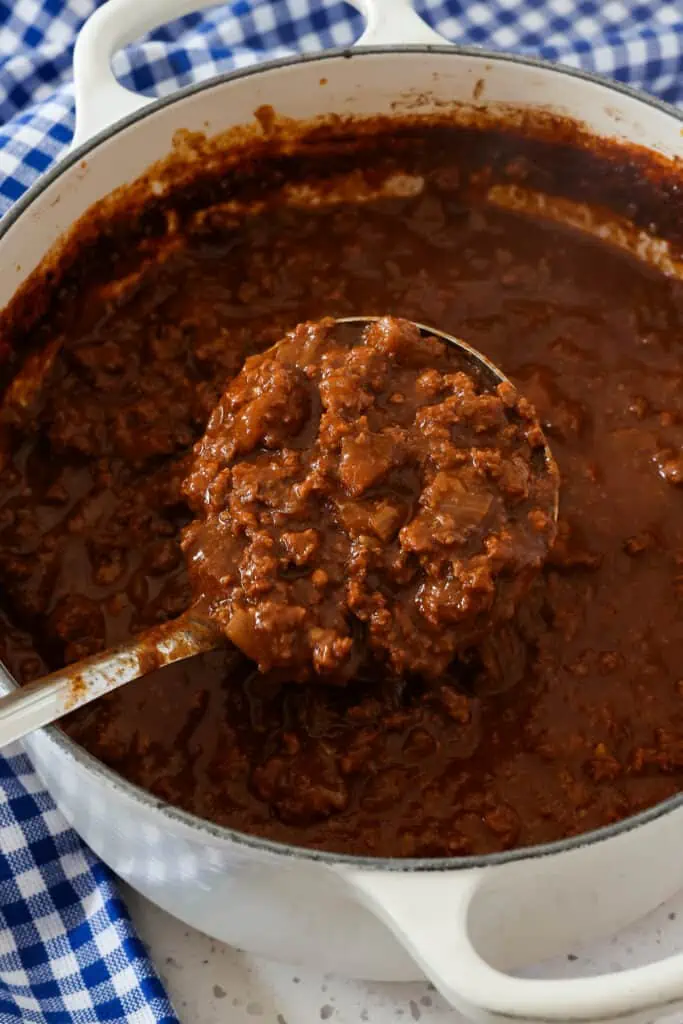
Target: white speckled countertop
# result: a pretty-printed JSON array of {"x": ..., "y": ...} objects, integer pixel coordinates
[{"x": 213, "y": 984}]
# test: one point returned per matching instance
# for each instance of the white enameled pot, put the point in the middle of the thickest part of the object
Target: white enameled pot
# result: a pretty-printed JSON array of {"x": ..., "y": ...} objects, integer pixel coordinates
[{"x": 465, "y": 923}]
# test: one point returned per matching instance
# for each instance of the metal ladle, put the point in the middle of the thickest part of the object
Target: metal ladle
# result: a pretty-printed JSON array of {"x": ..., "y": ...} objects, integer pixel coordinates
[{"x": 48, "y": 699}]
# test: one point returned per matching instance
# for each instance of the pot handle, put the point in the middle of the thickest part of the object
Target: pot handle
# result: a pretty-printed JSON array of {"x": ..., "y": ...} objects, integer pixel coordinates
[
  {"x": 101, "y": 100},
  {"x": 395, "y": 23},
  {"x": 431, "y": 913}
]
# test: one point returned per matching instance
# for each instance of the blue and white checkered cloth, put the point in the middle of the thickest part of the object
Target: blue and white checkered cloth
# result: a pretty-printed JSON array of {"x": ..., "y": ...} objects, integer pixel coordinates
[{"x": 68, "y": 952}]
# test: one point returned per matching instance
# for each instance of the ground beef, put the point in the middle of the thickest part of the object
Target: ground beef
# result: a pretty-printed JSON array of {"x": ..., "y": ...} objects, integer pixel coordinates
[{"x": 362, "y": 492}]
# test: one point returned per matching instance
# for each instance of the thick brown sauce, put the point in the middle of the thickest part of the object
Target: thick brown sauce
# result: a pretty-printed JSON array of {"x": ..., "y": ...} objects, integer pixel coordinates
[{"x": 578, "y": 715}]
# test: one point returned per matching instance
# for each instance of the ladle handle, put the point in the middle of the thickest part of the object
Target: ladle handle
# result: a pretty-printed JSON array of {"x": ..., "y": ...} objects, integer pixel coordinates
[{"x": 44, "y": 701}]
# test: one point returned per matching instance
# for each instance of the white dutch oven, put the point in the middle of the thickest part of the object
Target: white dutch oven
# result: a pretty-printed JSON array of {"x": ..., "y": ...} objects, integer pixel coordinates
[{"x": 465, "y": 923}]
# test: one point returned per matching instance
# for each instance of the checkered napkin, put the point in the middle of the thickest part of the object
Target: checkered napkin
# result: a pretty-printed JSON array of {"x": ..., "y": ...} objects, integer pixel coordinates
[{"x": 68, "y": 952}]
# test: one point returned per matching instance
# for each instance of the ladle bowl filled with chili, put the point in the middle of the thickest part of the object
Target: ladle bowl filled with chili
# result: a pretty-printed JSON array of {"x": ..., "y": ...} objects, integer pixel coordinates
[
  {"x": 465, "y": 825},
  {"x": 369, "y": 501}
]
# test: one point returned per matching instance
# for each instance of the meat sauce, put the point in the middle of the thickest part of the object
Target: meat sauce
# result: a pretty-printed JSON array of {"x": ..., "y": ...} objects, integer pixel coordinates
[
  {"x": 369, "y": 499},
  {"x": 568, "y": 718}
]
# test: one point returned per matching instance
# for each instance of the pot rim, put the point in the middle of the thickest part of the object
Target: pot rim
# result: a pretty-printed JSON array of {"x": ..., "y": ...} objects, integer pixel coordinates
[{"x": 185, "y": 818}]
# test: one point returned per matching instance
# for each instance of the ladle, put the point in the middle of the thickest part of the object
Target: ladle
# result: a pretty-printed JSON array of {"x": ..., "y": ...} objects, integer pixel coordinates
[{"x": 48, "y": 699}]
